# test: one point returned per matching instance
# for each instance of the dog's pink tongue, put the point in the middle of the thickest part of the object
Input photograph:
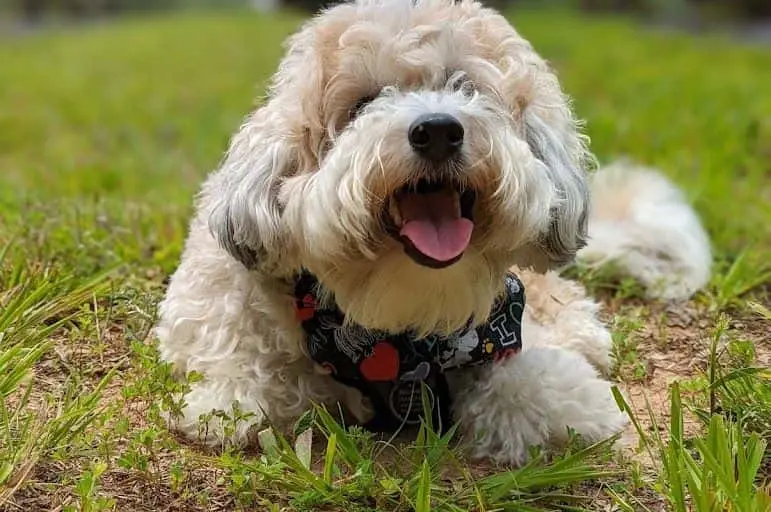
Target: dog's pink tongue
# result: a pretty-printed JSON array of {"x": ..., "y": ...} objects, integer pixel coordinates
[{"x": 433, "y": 223}]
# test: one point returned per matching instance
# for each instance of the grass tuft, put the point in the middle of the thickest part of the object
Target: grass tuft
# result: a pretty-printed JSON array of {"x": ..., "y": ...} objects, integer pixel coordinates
[
  {"x": 36, "y": 305},
  {"x": 426, "y": 475}
]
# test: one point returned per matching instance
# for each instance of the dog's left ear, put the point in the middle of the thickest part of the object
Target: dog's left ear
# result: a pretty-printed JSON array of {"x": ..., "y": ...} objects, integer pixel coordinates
[{"x": 560, "y": 147}]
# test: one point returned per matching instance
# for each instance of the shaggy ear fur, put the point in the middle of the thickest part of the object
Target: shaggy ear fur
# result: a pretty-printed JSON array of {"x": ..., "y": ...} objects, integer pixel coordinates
[
  {"x": 278, "y": 140},
  {"x": 561, "y": 150},
  {"x": 245, "y": 215}
]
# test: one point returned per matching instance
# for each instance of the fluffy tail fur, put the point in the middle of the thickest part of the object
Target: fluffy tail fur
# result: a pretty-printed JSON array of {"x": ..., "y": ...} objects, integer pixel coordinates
[{"x": 641, "y": 222}]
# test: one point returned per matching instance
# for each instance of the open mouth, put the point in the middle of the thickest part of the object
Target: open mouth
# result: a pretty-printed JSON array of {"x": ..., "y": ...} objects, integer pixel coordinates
[{"x": 433, "y": 221}]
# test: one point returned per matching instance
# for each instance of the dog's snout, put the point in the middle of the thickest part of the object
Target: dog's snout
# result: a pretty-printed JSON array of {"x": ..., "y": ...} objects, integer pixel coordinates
[{"x": 436, "y": 136}]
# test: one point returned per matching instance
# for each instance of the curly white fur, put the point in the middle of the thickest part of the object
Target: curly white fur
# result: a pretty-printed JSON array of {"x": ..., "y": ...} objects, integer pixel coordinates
[
  {"x": 642, "y": 223},
  {"x": 303, "y": 186}
]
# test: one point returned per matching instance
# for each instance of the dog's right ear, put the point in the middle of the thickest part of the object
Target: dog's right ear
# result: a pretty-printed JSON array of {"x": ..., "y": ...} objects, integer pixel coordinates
[
  {"x": 245, "y": 216},
  {"x": 283, "y": 137}
]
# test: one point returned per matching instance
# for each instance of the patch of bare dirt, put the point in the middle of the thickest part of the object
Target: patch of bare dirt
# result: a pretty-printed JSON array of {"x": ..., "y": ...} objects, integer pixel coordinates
[
  {"x": 674, "y": 344},
  {"x": 50, "y": 489}
]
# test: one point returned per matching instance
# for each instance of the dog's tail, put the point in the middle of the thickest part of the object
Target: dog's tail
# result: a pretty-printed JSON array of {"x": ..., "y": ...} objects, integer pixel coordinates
[{"x": 642, "y": 224}]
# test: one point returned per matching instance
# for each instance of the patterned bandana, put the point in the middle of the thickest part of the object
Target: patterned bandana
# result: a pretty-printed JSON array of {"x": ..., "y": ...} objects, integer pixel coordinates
[{"x": 389, "y": 368}]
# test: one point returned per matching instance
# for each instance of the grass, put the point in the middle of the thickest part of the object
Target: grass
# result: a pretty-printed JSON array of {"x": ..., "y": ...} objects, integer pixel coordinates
[
  {"x": 105, "y": 135},
  {"x": 714, "y": 471},
  {"x": 430, "y": 474}
]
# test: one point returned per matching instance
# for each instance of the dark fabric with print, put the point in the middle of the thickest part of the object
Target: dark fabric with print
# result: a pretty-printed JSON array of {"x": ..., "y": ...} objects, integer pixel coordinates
[{"x": 390, "y": 369}]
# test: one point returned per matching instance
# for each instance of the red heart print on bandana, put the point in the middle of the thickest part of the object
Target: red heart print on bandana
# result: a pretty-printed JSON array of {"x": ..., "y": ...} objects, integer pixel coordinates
[
  {"x": 305, "y": 307},
  {"x": 382, "y": 365}
]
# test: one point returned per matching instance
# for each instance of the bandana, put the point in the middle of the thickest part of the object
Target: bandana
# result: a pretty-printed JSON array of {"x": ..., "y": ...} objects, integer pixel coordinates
[{"x": 392, "y": 369}]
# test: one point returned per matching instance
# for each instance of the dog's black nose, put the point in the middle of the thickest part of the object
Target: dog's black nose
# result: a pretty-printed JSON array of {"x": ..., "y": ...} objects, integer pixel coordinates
[{"x": 436, "y": 136}]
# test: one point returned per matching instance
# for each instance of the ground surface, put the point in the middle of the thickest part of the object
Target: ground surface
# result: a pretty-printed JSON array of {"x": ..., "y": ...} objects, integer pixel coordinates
[{"x": 105, "y": 135}]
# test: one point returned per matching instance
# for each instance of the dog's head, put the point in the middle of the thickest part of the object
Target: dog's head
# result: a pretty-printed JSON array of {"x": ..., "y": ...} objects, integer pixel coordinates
[{"x": 409, "y": 153}]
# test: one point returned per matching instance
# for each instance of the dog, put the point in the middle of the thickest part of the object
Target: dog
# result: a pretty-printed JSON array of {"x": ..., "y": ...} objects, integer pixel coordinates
[{"x": 394, "y": 217}]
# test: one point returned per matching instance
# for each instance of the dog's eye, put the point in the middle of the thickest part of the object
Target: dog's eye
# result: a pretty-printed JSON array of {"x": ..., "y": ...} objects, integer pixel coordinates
[
  {"x": 359, "y": 106},
  {"x": 468, "y": 87},
  {"x": 459, "y": 81}
]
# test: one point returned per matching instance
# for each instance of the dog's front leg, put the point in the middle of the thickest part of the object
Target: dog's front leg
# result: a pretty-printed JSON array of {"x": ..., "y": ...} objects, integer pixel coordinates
[
  {"x": 225, "y": 410},
  {"x": 239, "y": 330},
  {"x": 531, "y": 399}
]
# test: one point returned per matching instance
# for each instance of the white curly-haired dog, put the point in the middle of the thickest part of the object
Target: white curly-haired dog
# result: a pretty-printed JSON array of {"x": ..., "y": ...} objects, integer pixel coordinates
[{"x": 374, "y": 223}]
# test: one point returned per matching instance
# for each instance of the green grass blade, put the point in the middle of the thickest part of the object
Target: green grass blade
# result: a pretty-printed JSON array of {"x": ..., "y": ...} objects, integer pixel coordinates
[
  {"x": 16, "y": 363},
  {"x": 423, "y": 500},
  {"x": 347, "y": 448},
  {"x": 329, "y": 457},
  {"x": 673, "y": 453},
  {"x": 642, "y": 436}
]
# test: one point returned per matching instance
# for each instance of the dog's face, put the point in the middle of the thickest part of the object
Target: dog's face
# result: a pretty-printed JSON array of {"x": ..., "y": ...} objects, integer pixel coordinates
[{"x": 408, "y": 155}]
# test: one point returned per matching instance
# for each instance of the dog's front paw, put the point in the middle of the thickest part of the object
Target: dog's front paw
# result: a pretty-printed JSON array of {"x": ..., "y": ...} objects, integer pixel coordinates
[
  {"x": 506, "y": 440},
  {"x": 533, "y": 400},
  {"x": 216, "y": 418}
]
